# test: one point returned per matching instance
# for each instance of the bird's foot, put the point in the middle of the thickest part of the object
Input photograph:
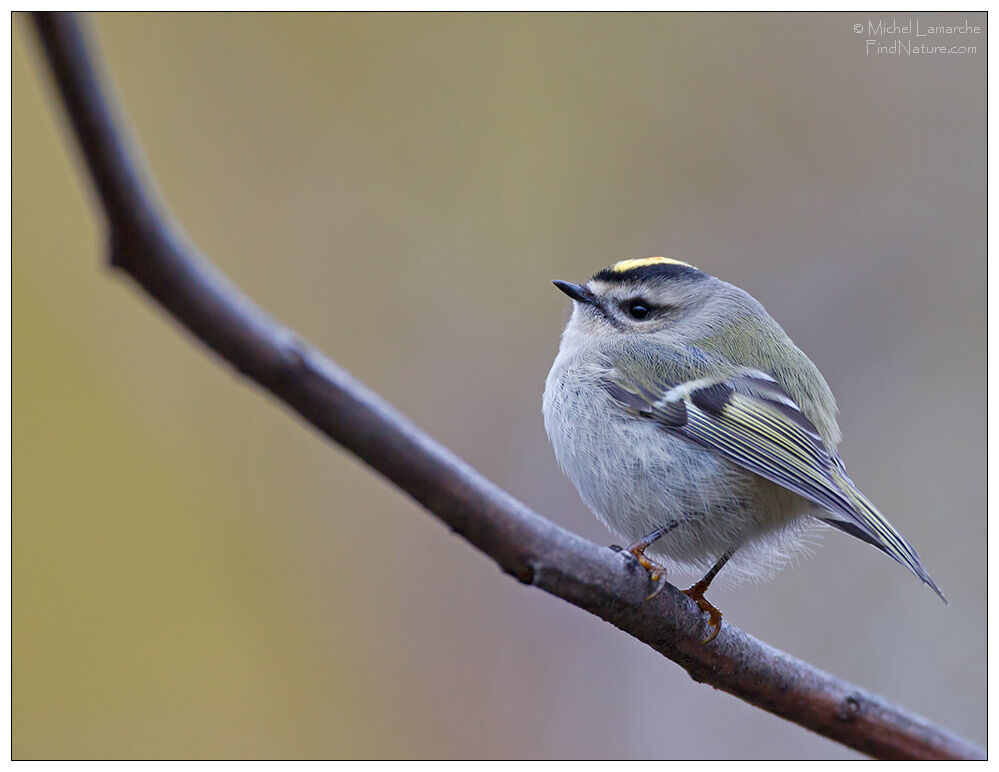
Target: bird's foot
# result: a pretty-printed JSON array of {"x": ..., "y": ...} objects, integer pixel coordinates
[
  {"x": 657, "y": 572},
  {"x": 696, "y": 594}
]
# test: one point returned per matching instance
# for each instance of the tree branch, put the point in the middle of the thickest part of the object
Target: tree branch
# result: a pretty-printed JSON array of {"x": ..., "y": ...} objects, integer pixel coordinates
[{"x": 146, "y": 245}]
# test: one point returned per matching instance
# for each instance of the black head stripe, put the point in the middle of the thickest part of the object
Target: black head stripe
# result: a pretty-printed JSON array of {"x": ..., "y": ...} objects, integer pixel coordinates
[{"x": 653, "y": 271}]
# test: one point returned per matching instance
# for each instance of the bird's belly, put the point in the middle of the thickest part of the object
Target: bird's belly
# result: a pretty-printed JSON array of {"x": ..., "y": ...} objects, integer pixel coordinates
[{"x": 637, "y": 477}]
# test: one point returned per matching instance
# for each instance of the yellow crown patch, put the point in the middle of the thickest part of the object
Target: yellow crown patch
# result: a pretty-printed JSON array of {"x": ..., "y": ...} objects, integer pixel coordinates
[{"x": 640, "y": 262}]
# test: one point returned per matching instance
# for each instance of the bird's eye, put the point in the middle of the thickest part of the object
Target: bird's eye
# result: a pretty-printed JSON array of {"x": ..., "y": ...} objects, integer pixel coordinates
[{"x": 637, "y": 310}]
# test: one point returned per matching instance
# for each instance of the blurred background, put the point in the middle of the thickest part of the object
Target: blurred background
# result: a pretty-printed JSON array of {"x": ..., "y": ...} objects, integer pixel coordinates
[{"x": 198, "y": 574}]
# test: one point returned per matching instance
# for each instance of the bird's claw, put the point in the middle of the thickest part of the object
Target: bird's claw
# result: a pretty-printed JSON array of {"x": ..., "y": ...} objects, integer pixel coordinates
[
  {"x": 657, "y": 572},
  {"x": 659, "y": 577},
  {"x": 696, "y": 594}
]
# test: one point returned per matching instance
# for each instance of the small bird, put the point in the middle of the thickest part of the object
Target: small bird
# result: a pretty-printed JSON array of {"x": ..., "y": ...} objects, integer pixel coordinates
[{"x": 695, "y": 429}]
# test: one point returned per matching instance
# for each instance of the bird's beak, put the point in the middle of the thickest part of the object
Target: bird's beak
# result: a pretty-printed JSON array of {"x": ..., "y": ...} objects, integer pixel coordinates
[{"x": 576, "y": 291}]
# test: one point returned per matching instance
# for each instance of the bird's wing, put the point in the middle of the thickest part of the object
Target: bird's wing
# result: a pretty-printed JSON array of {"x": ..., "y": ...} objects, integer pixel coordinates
[{"x": 750, "y": 420}]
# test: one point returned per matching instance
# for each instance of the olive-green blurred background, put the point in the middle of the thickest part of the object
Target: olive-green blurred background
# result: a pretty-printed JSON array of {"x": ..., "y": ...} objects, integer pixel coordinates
[{"x": 198, "y": 574}]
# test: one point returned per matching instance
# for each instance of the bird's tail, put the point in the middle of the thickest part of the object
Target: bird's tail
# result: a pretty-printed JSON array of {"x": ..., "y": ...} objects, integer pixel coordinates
[{"x": 869, "y": 525}]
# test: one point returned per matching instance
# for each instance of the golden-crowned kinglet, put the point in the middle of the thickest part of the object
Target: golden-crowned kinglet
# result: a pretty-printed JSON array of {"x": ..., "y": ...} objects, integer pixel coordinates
[{"x": 696, "y": 430}]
